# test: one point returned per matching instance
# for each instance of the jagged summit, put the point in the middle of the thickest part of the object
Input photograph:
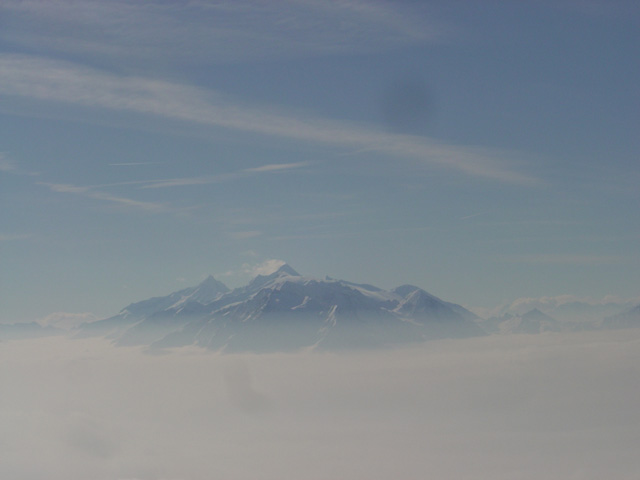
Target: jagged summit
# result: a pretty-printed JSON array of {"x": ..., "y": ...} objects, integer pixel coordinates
[
  {"x": 211, "y": 284},
  {"x": 404, "y": 290},
  {"x": 206, "y": 292},
  {"x": 210, "y": 280},
  {"x": 283, "y": 271},
  {"x": 288, "y": 270}
]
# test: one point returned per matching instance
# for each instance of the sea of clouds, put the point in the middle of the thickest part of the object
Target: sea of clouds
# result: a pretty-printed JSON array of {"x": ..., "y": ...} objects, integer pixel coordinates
[{"x": 520, "y": 407}]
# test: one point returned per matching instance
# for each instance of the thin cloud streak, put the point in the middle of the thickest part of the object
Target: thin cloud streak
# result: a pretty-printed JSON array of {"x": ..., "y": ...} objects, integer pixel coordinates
[
  {"x": 6, "y": 165},
  {"x": 9, "y": 166},
  {"x": 565, "y": 259},
  {"x": 245, "y": 234},
  {"x": 211, "y": 179},
  {"x": 41, "y": 79},
  {"x": 209, "y": 32},
  {"x": 151, "y": 207},
  {"x": 363, "y": 231},
  {"x": 189, "y": 181},
  {"x": 467, "y": 217},
  {"x": 277, "y": 167},
  {"x": 92, "y": 192},
  {"x": 133, "y": 164}
]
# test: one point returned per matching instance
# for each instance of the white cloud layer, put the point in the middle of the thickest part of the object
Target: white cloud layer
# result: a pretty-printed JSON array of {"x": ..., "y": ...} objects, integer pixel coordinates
[{"x": 499, "y": 408}]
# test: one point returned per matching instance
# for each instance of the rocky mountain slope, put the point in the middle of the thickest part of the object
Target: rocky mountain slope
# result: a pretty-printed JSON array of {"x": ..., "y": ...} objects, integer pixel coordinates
[{"x": 286, "y": 311}]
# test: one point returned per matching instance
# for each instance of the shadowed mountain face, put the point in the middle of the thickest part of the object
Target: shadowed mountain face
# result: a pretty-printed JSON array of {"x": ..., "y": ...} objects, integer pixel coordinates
[
  {"x": 285, "y": 311},
  {"x": 151, "y": 319}
]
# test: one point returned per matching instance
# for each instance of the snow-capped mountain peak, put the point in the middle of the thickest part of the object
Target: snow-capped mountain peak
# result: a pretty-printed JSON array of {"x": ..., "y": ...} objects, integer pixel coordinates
[
  {"x": 534, "y": 321},
  {"x": 287, "y": 270},
  {"x": 206, "y": 292},
  {"x": 404, "y": 290},
  {"x": 261, "y": 280},
  {"x": 284, "y": 310}
]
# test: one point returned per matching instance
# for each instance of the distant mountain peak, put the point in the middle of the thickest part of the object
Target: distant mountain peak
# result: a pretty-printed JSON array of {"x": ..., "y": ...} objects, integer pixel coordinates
[
  {"x": 210, "y": 281},
  {"x": 534, "y": 321},
  {"x": 537, "y": 315},
  {"x": 282, "y": 309},
  {"x": 404, "y": 290},
  {"x": 626, "y": 319},
  {"x": 286, "y": 269}
]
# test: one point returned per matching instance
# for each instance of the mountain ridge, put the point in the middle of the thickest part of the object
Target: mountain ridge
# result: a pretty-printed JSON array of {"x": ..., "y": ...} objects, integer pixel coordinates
[{"x": 284, "y": 310}]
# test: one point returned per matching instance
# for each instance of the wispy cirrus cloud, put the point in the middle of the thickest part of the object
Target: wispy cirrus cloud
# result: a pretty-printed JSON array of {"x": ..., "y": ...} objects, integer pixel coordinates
[
  {"x": 133, "y": 164},
  {"x": 8, "y": 165},
  {"x": 276, "y": 167},
  {"x": 54, "y": 81},
  {"x": 474, "y": 215},
  {"x": 96, "y": 192},
  {"x": 564, "y": 259},
  {"x": 243, "y": 235},
  {"x": 212, "y": 31},
  {"x": 185, "y": 181},
  {"x": 211, "y": 179},
  {"x": 597, "y": 8},
  {"x": 125, "y": 202}
]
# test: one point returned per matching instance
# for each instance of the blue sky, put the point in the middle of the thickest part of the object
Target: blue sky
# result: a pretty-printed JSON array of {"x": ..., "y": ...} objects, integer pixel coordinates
[{"x": 484, "y": 151}]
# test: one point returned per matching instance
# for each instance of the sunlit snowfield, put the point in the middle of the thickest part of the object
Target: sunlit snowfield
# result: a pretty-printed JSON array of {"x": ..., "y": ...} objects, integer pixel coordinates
[{"x": 550, "y": 406}]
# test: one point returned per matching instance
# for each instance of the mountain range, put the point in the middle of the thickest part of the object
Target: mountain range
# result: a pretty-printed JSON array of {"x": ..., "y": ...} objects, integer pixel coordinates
[
  {"x": 572, "y": 313},
  {"x": 534, "y": 321},
  {"x": 628, "y": 319},
  {"x": 285, "y": 311}
]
